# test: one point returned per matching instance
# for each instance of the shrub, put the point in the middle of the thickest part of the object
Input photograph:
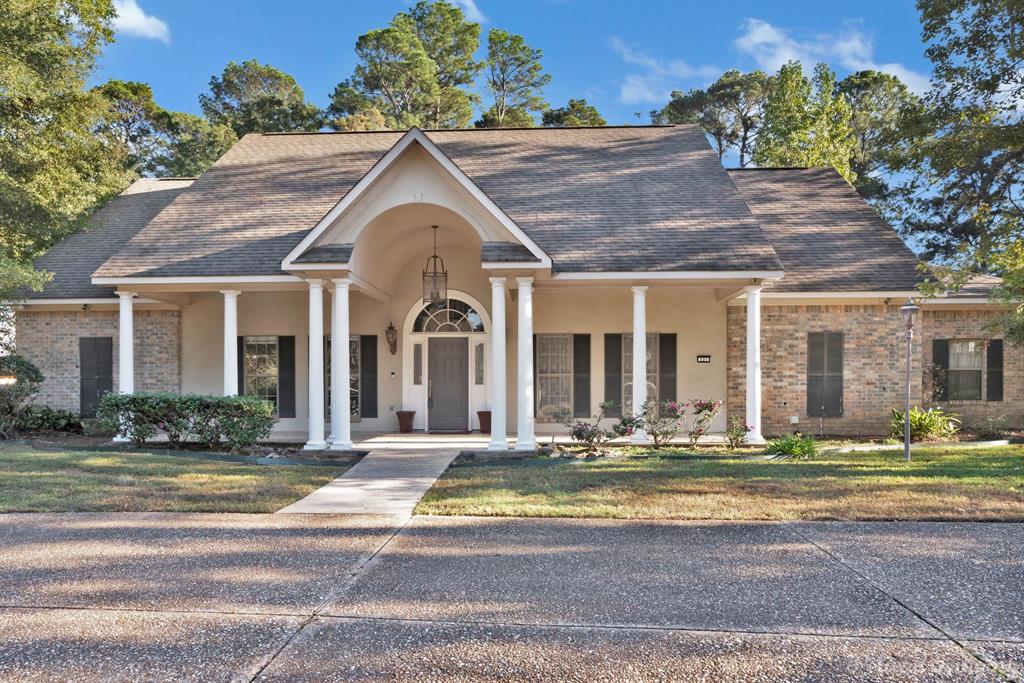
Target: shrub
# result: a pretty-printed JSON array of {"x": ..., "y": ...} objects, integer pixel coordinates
[
  {"x": 21, "y": 381},
  {"x": 925, "y": 425},
  {"x": 702, "y": 412},
  {"x": 991, "y": 428},
  {"x": 46, "y": 419},
  {"x": 662, "y": 421},
  {"x": 795, "y": 446},
  {"x": 737, "y": 431},
  {"x": 590, "y": 434},
  {"x": 237, "y": 421}
]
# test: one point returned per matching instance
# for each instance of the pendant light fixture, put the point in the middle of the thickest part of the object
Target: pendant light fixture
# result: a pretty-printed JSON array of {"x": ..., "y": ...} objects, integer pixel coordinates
[{"x": 435, "y": 277}]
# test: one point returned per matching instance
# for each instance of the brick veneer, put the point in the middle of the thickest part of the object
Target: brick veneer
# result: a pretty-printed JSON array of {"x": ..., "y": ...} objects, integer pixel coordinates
[{"x": 50, "y": 340}]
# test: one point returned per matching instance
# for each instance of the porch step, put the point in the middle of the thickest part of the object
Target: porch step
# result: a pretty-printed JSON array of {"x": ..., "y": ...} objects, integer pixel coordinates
[{"x": 385, "y": 482}]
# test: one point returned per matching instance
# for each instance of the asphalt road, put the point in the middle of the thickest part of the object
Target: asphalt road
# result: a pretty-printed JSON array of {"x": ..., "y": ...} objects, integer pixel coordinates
[{"x": 132, "y": 597}]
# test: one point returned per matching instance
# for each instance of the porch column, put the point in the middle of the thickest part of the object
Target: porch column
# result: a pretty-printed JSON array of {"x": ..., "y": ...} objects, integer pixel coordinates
[
  {"x": 126, "y": 344},
  {"x": 639, "y": 358},
  {"x": 499, "y": 428},
  {"x": 341, "y": 420},
  {"x": 753, "y": 401},
  {"x": 526, "y": 440},
  {"x": 230, "y": 342},
  {"x": 316, "y": 440}
]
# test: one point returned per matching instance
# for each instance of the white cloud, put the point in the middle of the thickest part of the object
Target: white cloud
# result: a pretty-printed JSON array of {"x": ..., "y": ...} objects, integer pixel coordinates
[
  {"x": 850, "y": 48},
  {"x": 656, "y": 78},
  {"x": 471, "y": 11},
  {"x": 131, "y": 20}
]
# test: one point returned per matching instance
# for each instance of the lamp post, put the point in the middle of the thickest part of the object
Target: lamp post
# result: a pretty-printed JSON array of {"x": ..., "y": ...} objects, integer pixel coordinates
[{"x": 908, "y": 314}]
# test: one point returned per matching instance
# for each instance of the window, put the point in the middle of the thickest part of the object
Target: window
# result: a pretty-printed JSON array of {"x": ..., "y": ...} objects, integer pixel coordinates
[
  {"x": 627, "y": 370},
  {"x": 964, "y": 375},
  {"x": 355, "y": 387},
  {"x": 417, "y": 364},
  {"x": 478, "y": 364},
  {"x": 261, "y": 368},
  {"x": 824, "y": 374},
  {"x": 554, "y": 376},
  {"x": 448, "y": 316}
]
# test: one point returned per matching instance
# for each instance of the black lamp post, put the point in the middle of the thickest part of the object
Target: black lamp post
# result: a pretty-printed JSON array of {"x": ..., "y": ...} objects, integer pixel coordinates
[{"x": 908, "y": 314}]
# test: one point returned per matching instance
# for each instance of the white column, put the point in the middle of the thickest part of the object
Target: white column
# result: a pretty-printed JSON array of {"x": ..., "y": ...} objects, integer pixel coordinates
[
  {"x": 230, "y": 342},
  {"x": 639, "y": 357},
  {"x": 526, "y": 440},
  {"x": 316, "y": 440},
  {"x": 126, "y": 345},
  {"x": 499, "y": 428},
  {"x": 754, "y": 364},
  {"x": 341, "y": 421}
]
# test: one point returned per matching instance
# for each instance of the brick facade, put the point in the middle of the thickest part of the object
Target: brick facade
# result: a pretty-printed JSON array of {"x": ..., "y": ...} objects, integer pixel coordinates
[
  {"x": 873, "y": 366},
  {"x": 50, "y": 340}
]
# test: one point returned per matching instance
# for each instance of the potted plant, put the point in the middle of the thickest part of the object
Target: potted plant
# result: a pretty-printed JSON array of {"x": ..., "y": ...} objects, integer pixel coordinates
[
  {"x": 485, "y": 421},
  {"x": 405, "y": 420}
]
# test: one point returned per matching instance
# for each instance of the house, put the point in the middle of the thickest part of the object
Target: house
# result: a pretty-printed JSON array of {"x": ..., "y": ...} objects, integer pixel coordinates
[{"x": 576, "y": 259}]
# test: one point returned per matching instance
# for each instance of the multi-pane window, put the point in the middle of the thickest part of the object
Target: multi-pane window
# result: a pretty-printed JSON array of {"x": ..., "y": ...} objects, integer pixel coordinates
[
  {"x": 417, "y": 364},
  {"x": 353, "y": 361},
  {"x": 627, "y": 371},
  {"x": 554, "y": 376},
  {"x": 964, "y": 374},
  {"x": 261, "y": 368},
  {"x": 478, "y": 364},
  {"x": 448, "y": 316}
]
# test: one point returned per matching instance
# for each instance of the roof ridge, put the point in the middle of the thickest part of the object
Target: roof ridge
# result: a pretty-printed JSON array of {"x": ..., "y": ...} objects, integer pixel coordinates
[{"x": 475, "y": 130}]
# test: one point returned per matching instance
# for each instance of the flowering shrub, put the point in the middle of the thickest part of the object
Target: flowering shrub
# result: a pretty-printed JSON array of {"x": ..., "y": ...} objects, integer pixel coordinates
[
  {"x": 660, "y": 421},
  {"x": 702, "y": 412},
  {"x": 737, "y": 431},
  {"x": 590, "y": 434}
]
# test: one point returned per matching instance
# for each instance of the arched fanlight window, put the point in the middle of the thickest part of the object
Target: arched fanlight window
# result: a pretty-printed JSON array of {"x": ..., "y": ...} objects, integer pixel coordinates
[{"x": 448, "y": 316}]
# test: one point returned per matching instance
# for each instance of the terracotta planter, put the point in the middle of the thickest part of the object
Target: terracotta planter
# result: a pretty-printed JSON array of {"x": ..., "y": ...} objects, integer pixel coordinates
[
  {"x": 405, "y": 420},
  {"x": 485, "y": 421}
]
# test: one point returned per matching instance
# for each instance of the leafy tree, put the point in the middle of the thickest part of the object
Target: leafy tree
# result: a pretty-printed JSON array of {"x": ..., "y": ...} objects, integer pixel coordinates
[
  {"x": 805, "y": 123},
  {"x": 53, "y": 169},
  {"x": 964, "y": 197},
  {"x": 703, "y": 108},
  {"x": 575, "y": 113},
  {"x": 253, "y": 97},
  {"x": 129, "y": 121},
  {"x": 515, "y": 79},
  {"x": 350, "y": 109},
  {"x": 191, "y": 144},
  {"x": 742, "y": 98},
  {"x": 880, "y": 106}
]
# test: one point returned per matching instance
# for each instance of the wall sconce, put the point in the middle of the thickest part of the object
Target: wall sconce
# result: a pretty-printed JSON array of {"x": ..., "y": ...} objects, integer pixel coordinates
[{"x": 392, "y": 336}]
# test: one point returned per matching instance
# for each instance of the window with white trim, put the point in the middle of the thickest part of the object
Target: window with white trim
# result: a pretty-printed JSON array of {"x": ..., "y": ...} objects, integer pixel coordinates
[
  {"x": 554, "y": 376},
  {"x": 261, "y": 368},
  {"x": 627, "y": 371},
  {"x": 353, "y": 362},
  {"x": 964, "y": 374}
]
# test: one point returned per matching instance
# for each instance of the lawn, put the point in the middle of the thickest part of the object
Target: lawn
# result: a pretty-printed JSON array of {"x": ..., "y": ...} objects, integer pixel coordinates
[
  {"x": 99, "y": 481},
  {"x": 940, "y": 484}
]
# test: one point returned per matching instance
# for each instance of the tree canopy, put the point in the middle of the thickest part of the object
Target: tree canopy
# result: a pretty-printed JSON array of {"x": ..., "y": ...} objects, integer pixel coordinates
[
  {"x": 257, "y": 98},
  {"x": 575, "y": 113},
  {"x": 515, "y": 80}
]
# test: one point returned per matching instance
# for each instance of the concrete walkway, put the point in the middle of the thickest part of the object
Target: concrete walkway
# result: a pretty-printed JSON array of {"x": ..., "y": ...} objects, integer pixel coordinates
[{"x": 385, "y": 482}]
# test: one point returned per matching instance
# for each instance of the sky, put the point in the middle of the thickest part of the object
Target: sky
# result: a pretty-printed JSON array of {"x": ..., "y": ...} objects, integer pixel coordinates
[{"x": 625, "y": 57}]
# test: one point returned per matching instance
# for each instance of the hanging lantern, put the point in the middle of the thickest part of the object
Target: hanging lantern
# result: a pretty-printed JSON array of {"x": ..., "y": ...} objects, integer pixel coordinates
[{"x": 435, "y": 277}]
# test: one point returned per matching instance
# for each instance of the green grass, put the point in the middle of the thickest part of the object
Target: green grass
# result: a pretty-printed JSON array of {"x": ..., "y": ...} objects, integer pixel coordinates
[
  {"x": 98, "y": 481},
  {"x": 940, "y": 484}
]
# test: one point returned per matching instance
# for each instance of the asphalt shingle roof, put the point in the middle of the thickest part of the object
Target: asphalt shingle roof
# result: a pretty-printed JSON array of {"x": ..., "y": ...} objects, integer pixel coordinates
[
  {"x": 594, "y": 199},
  {"x": 73, "y": 259},
  {"x": 828, "y": 237}
]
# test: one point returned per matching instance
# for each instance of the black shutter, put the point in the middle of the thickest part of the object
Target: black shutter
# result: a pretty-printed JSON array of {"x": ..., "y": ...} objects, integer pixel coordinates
[
  {"x": 994, "y": 371},
  {"x": 96, "y": 372},
  {"x": 613, "y": 374},
  {"x": 285, "y": 376},
  {"x": 581, "y": 375},
  {"x": 940, "y": 368},
  {"x": 368, "y": 375},
  {"x": 666, "y": 367},
  {"x": 824, "y": 374},
  {"x": 241, "y": 366}
]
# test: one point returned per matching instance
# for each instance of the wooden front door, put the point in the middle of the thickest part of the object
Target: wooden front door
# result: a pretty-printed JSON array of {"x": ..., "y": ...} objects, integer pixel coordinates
[{"x": 448, "y": 384}]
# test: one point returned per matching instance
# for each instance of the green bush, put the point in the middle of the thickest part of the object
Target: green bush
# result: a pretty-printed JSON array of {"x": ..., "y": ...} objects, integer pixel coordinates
[
  {"x": 20, "y": 382},
  {"x": 925, "y": 425},
  {"x": 991, "y": 428},
  {"x": 46, "y": 419},
  {"x": 795, "y": 446},
  {"x": 237, "y": 422}
]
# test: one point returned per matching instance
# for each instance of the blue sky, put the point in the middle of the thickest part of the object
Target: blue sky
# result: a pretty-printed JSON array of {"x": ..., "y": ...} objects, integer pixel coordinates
[{"x": 624, "y": 57}]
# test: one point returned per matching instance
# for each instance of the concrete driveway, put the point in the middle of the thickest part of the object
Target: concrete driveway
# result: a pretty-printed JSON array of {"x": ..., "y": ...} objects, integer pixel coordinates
[{"x": 319, "y": 598}]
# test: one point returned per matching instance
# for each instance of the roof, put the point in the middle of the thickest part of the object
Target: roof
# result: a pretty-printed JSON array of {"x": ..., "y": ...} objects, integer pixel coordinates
[
  {"x": 828, "y": 237},
  {"x": 643, "y": 198},
  {"x": 73, "y": 259}
]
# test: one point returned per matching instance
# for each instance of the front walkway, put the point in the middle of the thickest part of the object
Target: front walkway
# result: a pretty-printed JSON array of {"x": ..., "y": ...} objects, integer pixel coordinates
[
  {"x": 386, "y": 482},
  {"x": 126, "y": 597}
]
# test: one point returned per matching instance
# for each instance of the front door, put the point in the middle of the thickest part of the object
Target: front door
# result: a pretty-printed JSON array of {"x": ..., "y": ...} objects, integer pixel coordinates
[{"x": 448, "y": 384}]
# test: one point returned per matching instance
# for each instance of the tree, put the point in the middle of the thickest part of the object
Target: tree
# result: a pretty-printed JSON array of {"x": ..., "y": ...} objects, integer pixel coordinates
[
  {"x": 742, "y": 98},
  {"x": 963, "y": 200},
  {"x": 191, "y": 144},
  {"x": 515, "y": 79},
  {"x": 514, "y": 118},
  {"x": 252, "y": 97},
  {"x": 129, "y": 121},
  {"x": 806, "y": 123},
  {"x": 702, "y": 107},
  {"x": 576, "y": 113},
  {"x": 53, "y": 169},
  {"x": 880, "y": 105}
]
